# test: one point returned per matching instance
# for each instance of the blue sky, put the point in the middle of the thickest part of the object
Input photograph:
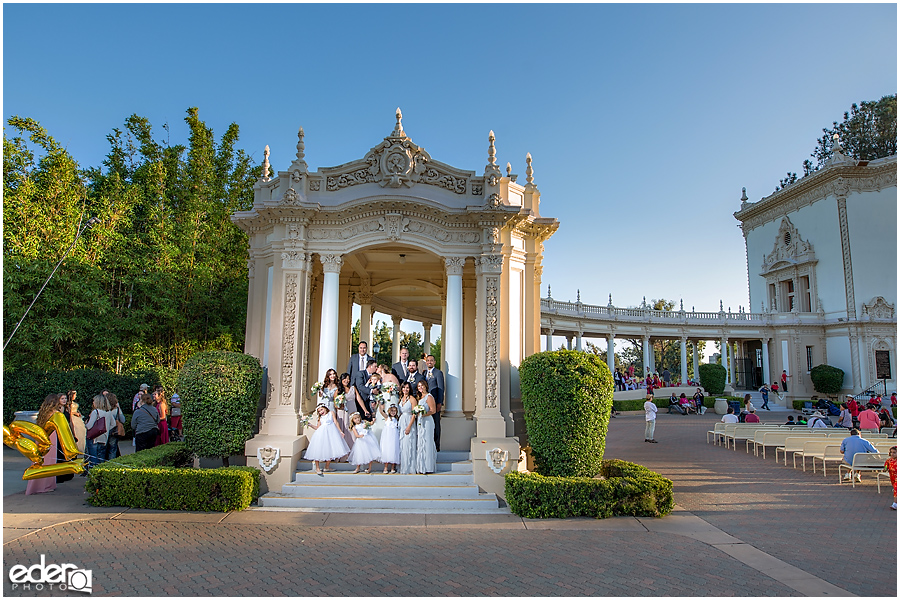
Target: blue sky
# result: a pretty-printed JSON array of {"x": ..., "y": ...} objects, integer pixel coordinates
[{"x": 644, "y": 121}]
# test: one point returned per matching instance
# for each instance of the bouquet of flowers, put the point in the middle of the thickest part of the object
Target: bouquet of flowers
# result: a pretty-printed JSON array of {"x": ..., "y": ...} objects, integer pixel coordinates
[
  {"x": 304, "y": 421},
  {"x": 316, "y": 388},
  {"x": 389, "y": 388},
  {"x": 419, "y": 409},
  {"x": 339, "y": 400},
  {"x": 367, "y": 424}
]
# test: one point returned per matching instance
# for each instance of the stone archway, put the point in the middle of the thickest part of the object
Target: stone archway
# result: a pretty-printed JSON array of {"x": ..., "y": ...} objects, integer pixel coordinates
[{"x": 321, "y": 239}]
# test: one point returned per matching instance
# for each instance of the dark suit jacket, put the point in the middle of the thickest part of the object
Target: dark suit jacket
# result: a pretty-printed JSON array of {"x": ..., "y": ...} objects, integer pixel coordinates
[
  {"x": 353, "y": 366},
  {"x": 416, "y": 379},
  {"x": 436, "y": 385},
  {"x": 398, "y": 370},
  {"x": 360, "y": 382}
]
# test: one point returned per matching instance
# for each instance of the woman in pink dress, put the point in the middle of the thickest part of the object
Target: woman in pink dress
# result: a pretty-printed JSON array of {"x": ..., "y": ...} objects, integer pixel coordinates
[
  {"x": 162, "y": 408},
  {"x": 49, "y": 406},
  {"x": 868, "y": 419}
]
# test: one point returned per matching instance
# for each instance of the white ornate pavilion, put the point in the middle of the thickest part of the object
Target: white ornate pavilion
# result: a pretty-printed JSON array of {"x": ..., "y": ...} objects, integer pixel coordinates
[{"x": 403, "y": 234}]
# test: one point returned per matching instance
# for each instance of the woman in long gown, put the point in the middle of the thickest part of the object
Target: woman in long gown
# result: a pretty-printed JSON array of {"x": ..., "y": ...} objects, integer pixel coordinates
[
  {"x": 330, "y": 387},
  {"x": 45, "y": 484},
  {"x": 408, "y": 430},
  {"x": 344, "y": 411},
  {"x": 426, "y": 456}
]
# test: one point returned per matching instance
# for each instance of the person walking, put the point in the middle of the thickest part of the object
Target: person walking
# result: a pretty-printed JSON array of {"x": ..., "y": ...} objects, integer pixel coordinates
[
  {"x": 650, "y": 411},
  {"x": 764, "y": 392}
]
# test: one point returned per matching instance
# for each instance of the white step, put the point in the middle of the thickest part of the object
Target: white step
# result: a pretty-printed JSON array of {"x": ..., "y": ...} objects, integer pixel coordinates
[
  {"x": 306, "y": 466},
  {"x": 379, "y": 479},
  {"x": 372, "y": 492},
  {"x": 344, "y": 504}
]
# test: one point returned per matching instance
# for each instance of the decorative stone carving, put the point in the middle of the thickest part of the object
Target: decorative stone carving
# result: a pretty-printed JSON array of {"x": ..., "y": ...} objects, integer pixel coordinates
[
  {"x": 492, "y": 235},
  {"x": 491, "y": 288},
  {"x": 477, "y": 189},
  {"x": 315, "y": 185},
  {"x": 393, "y": 225},
  {"x": 496, "y": 459},
  {"x": 294, "y": 260},
  {"x": 331, "y": 263},
  {"x": 288, "y": 339},
  {"x": 879, "y": 309},
  {"x": 251, "y": 267},
  {"x": 290, "y": 198},
  {"x": 848, "y": 262},
  {"x": 491, "y": 263},
  {"x": 494, "y": 200},
  {"x": 455, "y": 264},
  {"x": 268, "y": 457},
  {"x": 442, "y": 235},
  {"x": 789, "y": 249}
]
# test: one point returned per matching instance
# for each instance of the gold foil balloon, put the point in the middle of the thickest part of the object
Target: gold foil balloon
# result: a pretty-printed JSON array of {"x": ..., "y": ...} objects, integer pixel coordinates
[{"x": 37, "y": 447}]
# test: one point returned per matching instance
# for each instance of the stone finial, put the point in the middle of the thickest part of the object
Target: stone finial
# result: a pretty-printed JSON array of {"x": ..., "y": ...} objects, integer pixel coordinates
[
  {"x": 837, "y": 142},
  {"x": 492, "y": 152},
  {"x": 265, "y": 169},
  {"x": 301, "y": 146},
  {"x": 610, "y": 299},
  {"x": 721, "y": 309},
  {"x": 398, "y": 128},
  {"x": 509, "y": 170},
  {"x": 681, "y": 305},
  {"x": 548, "y": 291},
  {"x": 644, "y": 302},
  {"x": 529, "y": 172},
  {"x": 744, "y": 198},
  {"x": 693, "y": 309},
  {"x": 578, "y": 297}
]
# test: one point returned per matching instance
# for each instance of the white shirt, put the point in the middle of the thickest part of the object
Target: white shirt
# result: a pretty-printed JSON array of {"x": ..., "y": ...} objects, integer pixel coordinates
[
  {"x": 730, "y": 419},
  {"x": 650, "y": 410}
]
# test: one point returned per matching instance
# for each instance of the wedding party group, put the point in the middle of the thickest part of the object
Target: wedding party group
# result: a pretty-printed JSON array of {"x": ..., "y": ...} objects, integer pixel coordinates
[{"x": 373, "y": 413}]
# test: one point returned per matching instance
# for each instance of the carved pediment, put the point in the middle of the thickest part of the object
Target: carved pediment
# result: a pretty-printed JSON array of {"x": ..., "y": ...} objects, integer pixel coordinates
[
  {"x": 397, "y": 162},
  {"x": 879, "y": 309},
  {"x": 789, "y": 249}
]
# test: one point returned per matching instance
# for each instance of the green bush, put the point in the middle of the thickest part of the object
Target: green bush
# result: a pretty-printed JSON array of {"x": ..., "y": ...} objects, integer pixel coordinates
[
  {"x": 627, "y": 489},
  {"x": 25, "y": 388},
  {"x": 827, "y": 379},
  {"x": 219, "y": 397},
  {"x": 712, "y": 378},
  {"x": 567, "y": 396},
  {"x": 156, "y": 479}
]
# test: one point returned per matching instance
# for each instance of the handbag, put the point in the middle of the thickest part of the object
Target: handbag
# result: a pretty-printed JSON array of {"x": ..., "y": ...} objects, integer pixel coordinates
[
  {"x": 98, "y": 429},
  {"x": 120, "y": 428}
]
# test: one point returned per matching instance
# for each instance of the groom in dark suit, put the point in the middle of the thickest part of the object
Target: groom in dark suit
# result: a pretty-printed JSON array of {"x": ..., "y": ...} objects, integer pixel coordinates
[
  {"x": 358, "y": 361},
  {"x": 435, "y": 379},
  {"x": 399, "y": 369},
  {"x": 364, "y": 389},
  {"x": 413, "y": 376}
]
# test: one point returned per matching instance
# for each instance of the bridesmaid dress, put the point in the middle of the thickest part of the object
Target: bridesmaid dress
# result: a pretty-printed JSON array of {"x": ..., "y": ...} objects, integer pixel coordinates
[
  {"x": 407, "y": 442},
  {"x": 426, "y": 457},
  {"x": 343, "y": 416}
]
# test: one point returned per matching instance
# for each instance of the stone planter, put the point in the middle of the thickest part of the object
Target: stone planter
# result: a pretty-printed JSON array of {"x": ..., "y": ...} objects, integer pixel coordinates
[{"x": 721, "y": 406}]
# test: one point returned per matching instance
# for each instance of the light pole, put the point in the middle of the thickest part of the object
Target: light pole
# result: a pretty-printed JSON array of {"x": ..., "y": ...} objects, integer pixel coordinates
[{"x": 91, "y": 222}]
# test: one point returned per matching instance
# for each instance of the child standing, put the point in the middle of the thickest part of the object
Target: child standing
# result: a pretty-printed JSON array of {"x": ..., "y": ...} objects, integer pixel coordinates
[
  {"x": 365, "y": 448},
  {"x": 327, "y": 443},
  {"x": 890, "y": 466},
  {"x": 390, "y": 439}
]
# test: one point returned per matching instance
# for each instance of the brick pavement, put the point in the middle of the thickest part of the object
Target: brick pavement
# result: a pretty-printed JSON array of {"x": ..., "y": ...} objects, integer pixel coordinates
[{"x": 799, "y": 517}]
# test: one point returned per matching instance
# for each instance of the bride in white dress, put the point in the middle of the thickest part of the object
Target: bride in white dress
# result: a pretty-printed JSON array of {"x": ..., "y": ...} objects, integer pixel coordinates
[{"x": 426, "y": 455}]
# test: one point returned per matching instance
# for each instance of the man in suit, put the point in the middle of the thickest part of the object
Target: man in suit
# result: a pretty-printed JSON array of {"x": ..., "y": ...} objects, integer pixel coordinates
[
  {"x": 364, "y": 389},
  {"x": 413, "y": 376},
  {"x": 359, "y": 361},
  {"x": 399, "y": 369},
  {"x": 435, "y": 379}
]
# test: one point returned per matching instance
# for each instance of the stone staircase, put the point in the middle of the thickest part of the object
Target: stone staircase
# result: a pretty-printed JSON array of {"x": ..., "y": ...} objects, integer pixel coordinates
[{"x": 450, "y": 490}]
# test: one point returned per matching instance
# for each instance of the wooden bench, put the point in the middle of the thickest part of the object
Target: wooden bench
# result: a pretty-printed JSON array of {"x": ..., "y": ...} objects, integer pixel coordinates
[
  {"x": 863, "y": 462},
  {"x": 813, "y": 449},
  {"x": 793, "y": 444},
  {"x": 763, "y": 438},
  {"x": 832, "y": 453}
]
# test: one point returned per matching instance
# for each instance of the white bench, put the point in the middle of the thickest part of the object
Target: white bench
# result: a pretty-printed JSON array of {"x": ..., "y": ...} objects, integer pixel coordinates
[
  {"x": 794, "y": 444},
  {"x": 744, "y": 431},
  {"x": 717, "y": 430},
  {"x": 813, "y": 449},
  {"x": 863, "y": 462},
  {"x": 832, "y": 453},
  {"x": 763, "y": 438}
]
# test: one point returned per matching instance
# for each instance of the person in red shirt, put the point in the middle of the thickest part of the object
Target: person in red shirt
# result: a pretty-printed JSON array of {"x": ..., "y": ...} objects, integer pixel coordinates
[
  {"x": 894, "y": 399},
  {"x": 784, "y": 378},
  {"x": 751, "y": 417}
]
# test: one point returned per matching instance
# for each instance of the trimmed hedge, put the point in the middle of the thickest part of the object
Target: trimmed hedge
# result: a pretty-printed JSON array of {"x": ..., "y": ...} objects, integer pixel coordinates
[
  {"x": 827, "y": 379},
  {"x": 220, "y": 394},
  {"x": 25, "y": 388},
  {"x": 712, "y": 378},
  {"x": 663, "y": 402},
  {"x": 628, "y": 489},
  {"x": 156, "y": 479},
  {"x": 567, "y": 397}
]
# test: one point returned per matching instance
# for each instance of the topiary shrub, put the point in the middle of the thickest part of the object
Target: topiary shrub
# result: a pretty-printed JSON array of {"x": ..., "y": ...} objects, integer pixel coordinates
[
  {"x": 626, "y": 489},
  {"x": 712, "y": 378},
  {"x": 219, "y": 397},
  {"x": 827, "y": 379},
  {"x": 567, "y": 396}
]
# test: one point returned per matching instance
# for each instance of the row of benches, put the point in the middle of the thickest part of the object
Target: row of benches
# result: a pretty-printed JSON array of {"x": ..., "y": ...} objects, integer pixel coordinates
[{"x": 816, "y": 444}]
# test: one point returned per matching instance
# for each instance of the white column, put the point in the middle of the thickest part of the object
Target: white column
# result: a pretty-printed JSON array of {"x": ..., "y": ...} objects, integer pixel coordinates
[
  {"x": 568, "y": 342},
  {"x": 395, "y": 346},
  {"x": 578, "y": 341},
  {"x": 426, "y": 344},
  {"x": 684, "y": 376},
  {"x": 723, "y": 343},
  {"x": 646, "y": 355},
  {"x": 365, "y": 319},
  {"x": 765, "y": 361},
  {"x": 652, "y": 357},
  {"x": 611, "y": 352},
  {"x": 328, "y": 336},
  {"x": 732, "y": 364},
  {"x": 452, "y": 334},
  {"x": 696, "y": 361},
  {"x": 549, "y": 340}
]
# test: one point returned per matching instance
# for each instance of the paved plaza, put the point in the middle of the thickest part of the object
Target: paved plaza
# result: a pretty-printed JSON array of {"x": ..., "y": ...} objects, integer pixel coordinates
[{"x": 743, "y": 527}]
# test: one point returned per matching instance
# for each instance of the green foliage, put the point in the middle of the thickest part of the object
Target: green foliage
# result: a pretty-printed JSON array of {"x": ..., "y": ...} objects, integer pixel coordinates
[
  {"x": 413, "y": 343},
  {"x": 712, "y": 378},
  {"x": 25, "y": 388},
  {"x": 220, "y": 393},
  {"x": 153, "y": 479},
  {"x": 162, "y": 276},
  {"x": 827, "y": 379},
  {"x": 383, "y": 335},
  {"x": 436, "y": 351},
  {"x": 567, "y": 397},
  {"x": 626, "y": 489},
  {"x": 626, "y": 405}
]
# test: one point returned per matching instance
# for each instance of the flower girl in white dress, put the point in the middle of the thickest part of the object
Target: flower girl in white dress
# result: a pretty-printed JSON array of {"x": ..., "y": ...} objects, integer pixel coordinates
[
  {"x": 390, "y": 439},
  {"x": 327, "y": 443},
  {"x": 365, "y": 448}
]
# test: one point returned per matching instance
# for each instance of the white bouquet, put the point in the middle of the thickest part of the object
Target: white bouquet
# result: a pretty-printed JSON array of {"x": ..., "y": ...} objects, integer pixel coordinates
[
  {"x": 420, "y": 409},
  {"x": 389, "y": 388},
  {"x": 339, "y": 400},
  {"x": 304, "y": 421},
  {"x": 316, "y": 388}
]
